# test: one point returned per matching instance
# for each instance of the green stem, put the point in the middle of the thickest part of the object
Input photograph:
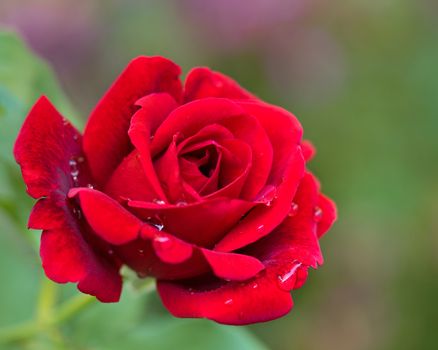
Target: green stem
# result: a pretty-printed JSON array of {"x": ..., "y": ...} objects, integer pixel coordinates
[
  {"x": 71, "y": 308},
  {"x": 47, "y": 318}
]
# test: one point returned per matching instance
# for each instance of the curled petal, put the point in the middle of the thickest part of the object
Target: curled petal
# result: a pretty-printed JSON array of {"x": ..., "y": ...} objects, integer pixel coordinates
[
  {"x": 202, "y": 223},
  {"x": 48, "y": 149},
  {"x": 67, "y": 257},
  {"x": 231, "y": 266},
  {"x": 202, "y": 82},
  {"x": 106, "y": 139},
  {"x": 328, "y": 214},
  {"x": 107, "y": 217},
  {"x": 233, "y": 303},
  {"x": 192, "y": 117},
  {"x": 264, "y": 218},
  {"x": 309, "y": 150}
]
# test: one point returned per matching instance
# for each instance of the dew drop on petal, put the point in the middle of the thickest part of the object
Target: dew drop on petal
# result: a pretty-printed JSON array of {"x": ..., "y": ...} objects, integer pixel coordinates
[
  {"x": 77, "y": 212},
  {"x": 286, "y": 280},
  {"x": 181, "y": 204},
  {"x": 293, "y": 209},
  {"x": 159, "y": 201},
  {"x": 254, "y": 285},
  {"x": 90, "y": 186},
  {"x": 162, "y": 242},
  {"x": 260, "y": 227},
  {"x": 317, "y": 215},
  {"x": 268, "y": 195},
  {"x": 155, "y": 222},
  {"x": 228, "y": 302}
]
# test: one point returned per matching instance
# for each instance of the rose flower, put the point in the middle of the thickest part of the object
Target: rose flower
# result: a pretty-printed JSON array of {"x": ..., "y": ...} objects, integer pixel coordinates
[{"x": 201, "y": 186}]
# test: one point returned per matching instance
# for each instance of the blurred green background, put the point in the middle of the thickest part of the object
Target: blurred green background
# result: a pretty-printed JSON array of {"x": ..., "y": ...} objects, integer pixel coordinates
[{"x": 362, "y": 77}]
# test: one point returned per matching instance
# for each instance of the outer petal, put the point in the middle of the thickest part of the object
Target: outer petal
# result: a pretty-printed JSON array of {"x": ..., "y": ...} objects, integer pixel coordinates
[
  {"x": 106, "y": 139},
  {"x": 309, "y": 150},
  {"x": 202, "y": 82},
  {"x": 329, "y": 214},
  {"x": 107, "y": 218},
  {"x": 45, "y": 146},
  {"x": 233, "y": 303},
  {"x": 67, "y": 257}
]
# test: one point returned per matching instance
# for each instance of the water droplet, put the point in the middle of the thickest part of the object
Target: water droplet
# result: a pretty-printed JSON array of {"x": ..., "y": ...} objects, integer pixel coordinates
[
  {"x": 90, "y": 186},
  {"x": 255, "y": 285},
  {"x": 159, "y": 201},
  {"x": 74, "y": 171},
  {"x": 151, "y": 138},
  {"x": 268, "y": 195},
  {"x": 141, "y": 251},
  {"x": 317, "y": 215},
  {"x": 77, "y": 212},
  {"x": 228, "y": 302},
  {"x": 181, "y": 204},
  {"x": 293, "y": 209},
  {"x": 162, "y": 242},
  {"x": 81, "y": 159},
  {"x": 261, "y": 227},
  {"x": 286, "y": 281},
  {"x": 219, "y": 84},
  {"x": 75, "y": 137},
  {"x": 155, "y": 222}
]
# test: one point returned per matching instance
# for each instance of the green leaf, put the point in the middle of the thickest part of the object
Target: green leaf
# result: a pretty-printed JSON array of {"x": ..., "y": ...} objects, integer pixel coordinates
[{"x": 26, "y": 77}]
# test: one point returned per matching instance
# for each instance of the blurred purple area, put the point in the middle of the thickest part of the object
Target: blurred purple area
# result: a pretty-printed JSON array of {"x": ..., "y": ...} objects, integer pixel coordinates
[{"x": 231, "y": 24}]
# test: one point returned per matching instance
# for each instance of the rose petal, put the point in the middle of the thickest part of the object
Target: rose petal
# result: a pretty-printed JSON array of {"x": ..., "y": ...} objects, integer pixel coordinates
[
  {"x": 231, "y": 266},
  {"x": 202, "y": 82},
  {"x": 67, "y": 257},
  {"x": 48, "y": 149},
  {"x": 309, "y": 150},
  {"x": 233, "y": 303},
  {"x": 190, "y": 118},
  {"x": 106, "y": 139},
  {"x": 129, "y": 180},
  {"x": 295, "y": 239},
  {"x": 107, "y": 218},
  {"x": 329, "y": 214},
  {"x": 263, "y": 219},
  {"x": 154, "y": 109},
  {"x": 202, "y": 223},
  {"x": 287, "y": 252}
]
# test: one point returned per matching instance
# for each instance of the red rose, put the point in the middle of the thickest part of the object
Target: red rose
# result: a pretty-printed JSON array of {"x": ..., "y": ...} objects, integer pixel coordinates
[{"x": 203, "y": 187}]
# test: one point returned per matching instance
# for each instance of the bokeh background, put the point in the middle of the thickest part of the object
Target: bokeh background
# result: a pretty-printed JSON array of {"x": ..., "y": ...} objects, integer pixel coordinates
[{"x": 362, "y": 77}]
